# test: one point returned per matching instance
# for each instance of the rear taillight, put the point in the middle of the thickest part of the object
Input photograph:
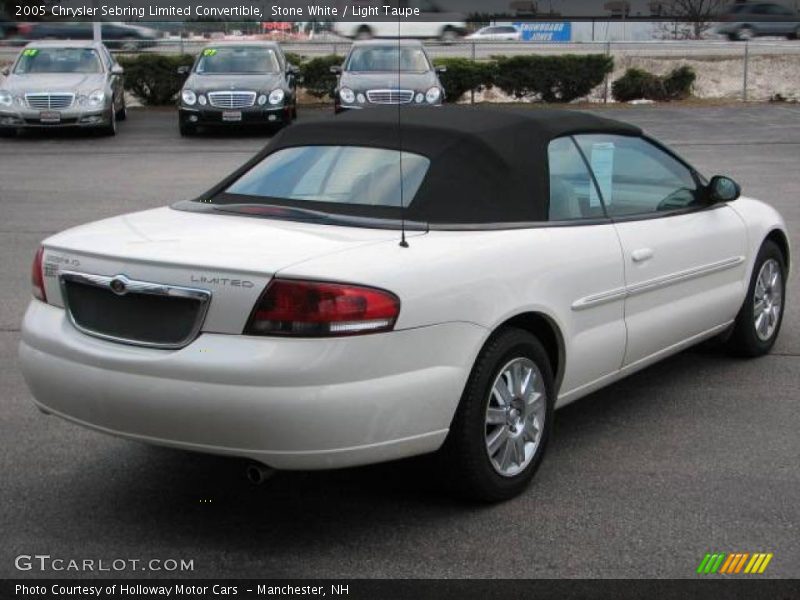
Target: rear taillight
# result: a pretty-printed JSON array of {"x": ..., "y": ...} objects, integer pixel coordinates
[
  {"x": 316, "y": 309},
  {"x": 37, "y": 278}
]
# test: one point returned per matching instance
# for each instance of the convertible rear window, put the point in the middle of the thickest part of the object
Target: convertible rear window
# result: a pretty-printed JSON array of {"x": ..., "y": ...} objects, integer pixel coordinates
[{"x": 350, "y": 175}]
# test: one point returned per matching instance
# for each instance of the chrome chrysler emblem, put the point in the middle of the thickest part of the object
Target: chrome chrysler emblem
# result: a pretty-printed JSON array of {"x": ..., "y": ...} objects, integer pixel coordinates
[{"x": 118, "y": 286}]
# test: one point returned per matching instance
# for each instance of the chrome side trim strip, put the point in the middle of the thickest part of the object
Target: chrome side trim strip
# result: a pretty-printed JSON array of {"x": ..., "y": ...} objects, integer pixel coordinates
[
  {"x": 655, "y": 283},
  {"x": 680, "y": 276},
  {"x": 121, "y": 285},
  {"x": 598, "y": 299}
]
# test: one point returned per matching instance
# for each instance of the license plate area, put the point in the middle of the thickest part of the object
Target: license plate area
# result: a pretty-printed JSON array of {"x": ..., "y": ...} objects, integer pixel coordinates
[
  {"x": 48, "y": 116},
  {"x": 231, "y": 115}
]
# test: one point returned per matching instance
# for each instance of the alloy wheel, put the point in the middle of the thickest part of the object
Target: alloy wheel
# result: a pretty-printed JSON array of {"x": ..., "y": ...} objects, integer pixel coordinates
[
  {"x": 746, "y": 34},
  {"x": 515, "y": 416},
  {"x": 767, "y": 299}
]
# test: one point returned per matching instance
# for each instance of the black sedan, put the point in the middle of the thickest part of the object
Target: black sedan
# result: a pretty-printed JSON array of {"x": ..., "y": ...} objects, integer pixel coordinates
[
  {"x": 238, "y": 83},
  {"x": 377, "y": 73}
]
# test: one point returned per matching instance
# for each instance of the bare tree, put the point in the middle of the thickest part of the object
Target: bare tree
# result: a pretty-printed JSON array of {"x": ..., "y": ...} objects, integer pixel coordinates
[{"x": 692, "y": 18}]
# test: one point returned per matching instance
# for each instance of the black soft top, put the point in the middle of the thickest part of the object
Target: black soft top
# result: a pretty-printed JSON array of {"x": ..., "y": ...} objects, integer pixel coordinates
[{"x": 487, "y": 165}]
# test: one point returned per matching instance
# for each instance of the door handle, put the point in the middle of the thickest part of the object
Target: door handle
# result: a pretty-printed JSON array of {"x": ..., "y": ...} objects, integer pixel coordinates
[{"x": 642, "y": 254}]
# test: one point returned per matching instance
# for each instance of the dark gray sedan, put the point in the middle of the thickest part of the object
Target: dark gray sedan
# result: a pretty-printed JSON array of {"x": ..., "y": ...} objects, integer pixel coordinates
[
  {"x": 377, "y": 73},
  {"x": 749, "y": 20},
  {"x": 62, "y": 84},
  {"x": 238, "y": 83}
]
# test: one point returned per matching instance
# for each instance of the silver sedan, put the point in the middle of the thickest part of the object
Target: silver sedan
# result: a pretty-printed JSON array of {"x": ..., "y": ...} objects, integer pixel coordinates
[{"x": 62, "y": 84}]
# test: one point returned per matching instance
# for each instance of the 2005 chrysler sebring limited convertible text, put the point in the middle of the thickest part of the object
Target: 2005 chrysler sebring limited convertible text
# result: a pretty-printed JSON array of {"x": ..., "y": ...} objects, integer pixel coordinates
[{"x": 286, "y": 317}]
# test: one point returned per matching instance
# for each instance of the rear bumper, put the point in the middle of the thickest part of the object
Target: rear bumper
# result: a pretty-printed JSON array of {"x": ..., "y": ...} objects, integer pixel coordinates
[{"x": 291, "y": 404}]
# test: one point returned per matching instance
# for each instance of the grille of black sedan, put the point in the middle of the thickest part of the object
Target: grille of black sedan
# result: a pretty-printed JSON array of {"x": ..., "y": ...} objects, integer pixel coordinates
[
  {"x": 231, "y": 99},
  {"x": 390, "y": 96},
  {"x": 134, "y": 312},
  {"x": 47, "y": 101}
]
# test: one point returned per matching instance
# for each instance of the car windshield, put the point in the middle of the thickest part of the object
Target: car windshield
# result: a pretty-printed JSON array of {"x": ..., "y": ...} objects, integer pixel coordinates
[
  {"x": 335, "y": 174},
  {"x": 388, "y": 59},
  {"x": 241, "y": 59},
  {"x": 58, "y": 60}
]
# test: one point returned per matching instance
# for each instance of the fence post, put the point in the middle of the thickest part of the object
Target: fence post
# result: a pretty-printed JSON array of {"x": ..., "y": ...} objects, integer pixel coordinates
[
  {"x": 746, "y": 63},
  {"x": 181, "y": 34},
  {"x": 472, "y": 91},
  {"x": 605, "y": 83}
]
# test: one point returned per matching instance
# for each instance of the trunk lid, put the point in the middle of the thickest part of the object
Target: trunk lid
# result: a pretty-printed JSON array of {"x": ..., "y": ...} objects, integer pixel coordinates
[{"x": 233, "y": 257}]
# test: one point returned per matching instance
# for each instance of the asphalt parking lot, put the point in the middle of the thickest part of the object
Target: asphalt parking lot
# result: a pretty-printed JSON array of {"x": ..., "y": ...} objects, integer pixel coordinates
[{"x": 699, "y": 453}]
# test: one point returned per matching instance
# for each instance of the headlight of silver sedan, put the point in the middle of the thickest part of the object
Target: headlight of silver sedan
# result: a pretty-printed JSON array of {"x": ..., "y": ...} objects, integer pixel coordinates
[
  {"x": 6, "y": 99},
  {"x": 97, "y": 97}
]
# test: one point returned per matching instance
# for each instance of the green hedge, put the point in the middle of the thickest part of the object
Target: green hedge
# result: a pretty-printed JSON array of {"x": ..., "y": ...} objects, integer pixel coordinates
[
  {"x": 678, "y": 84},
  {"x": 294, "y": 58},
  {"x": 637, "y": 84},
  {"x": 153, "y": 78},
  {"x": 464, "y": 75},
  {"x": 317, "y": 77},
  {"x": 548, "y": 78},
  {"x": 551, "y": 78}
]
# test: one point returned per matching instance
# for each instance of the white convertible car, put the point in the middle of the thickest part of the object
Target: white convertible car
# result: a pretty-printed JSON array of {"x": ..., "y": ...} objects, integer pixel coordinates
[{"x": 392, "y": 283}]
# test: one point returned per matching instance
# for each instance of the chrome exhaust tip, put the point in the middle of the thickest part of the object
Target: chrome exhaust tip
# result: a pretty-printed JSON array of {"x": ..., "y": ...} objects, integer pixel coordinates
[{"x": 257, "y": 473}]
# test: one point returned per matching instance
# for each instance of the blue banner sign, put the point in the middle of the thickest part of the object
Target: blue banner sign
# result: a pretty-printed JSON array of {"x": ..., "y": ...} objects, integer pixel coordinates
[{"x": 545, "y": 32}]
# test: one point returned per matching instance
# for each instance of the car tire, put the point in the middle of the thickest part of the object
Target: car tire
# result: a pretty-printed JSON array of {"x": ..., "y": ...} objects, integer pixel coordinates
[
  {"x": 364, "y": 33},
  {"x": 122, "y": 113},
  {"x": 110, "y": 129},
  {"x": 448, "y": 35},
  {"x": 129, "y": 44},
  {"x": 186, "y": 129},
  {"x": 475, "y": 451},
  {"x": 745, "y": 34},
  {"x": 765, "y": 300},
  {"x": 8, "y": 132}
]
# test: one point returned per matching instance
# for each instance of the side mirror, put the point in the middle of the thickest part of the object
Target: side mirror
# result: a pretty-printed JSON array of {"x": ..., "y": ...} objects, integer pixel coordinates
[
  {"x": 183, "y": 70},
  {"x": 336, "y": 70},
  {"x": 291, "y": 69},
  {"x": 117, "y": 70},
  {"x": 441, "y": 69},
  {"x": 723, "y": 189}
]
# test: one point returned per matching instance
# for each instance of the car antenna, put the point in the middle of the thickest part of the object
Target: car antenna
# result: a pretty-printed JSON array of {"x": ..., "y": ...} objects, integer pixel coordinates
[{"x": 403, "y": 242}]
